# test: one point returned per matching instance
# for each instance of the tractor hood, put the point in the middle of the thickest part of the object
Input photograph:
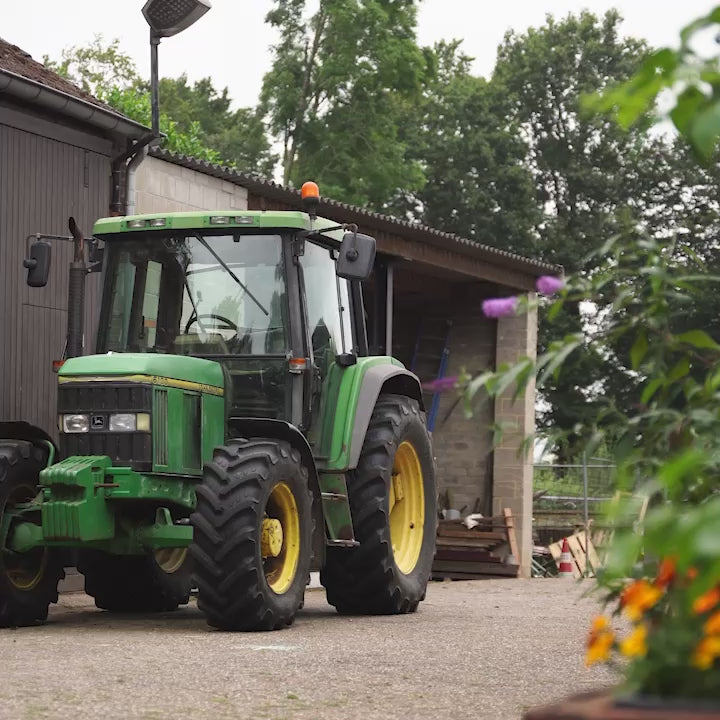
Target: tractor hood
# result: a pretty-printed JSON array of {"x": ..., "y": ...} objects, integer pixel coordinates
[{"x": 189, "y": 372}]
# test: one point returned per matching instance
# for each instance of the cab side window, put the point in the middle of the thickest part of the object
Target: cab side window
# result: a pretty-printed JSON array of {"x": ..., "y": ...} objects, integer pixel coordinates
[{"x": 327, "y": 311}]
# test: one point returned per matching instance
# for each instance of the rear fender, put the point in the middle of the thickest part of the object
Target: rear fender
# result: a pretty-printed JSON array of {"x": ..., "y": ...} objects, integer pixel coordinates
[{"x": 379, "y": 380}]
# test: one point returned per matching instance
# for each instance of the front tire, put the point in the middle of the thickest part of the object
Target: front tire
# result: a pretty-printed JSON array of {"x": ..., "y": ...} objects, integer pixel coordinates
[
  {"x": 253, "y": 531},
  {"x": 28, "y": 581},
  {"x": 393, "y": 500},
  {"x": 156, "y": 582}
]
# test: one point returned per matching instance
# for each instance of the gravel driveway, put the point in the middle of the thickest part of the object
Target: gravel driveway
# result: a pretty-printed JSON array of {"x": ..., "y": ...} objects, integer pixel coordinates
[{"x": 485, "y": 650}]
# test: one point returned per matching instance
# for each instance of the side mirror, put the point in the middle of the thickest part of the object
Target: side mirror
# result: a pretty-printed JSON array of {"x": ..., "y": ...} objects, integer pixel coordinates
[
  {"x": 95, "y": 252},
  {"x": 38, "y": 264},
  {"x": 357, "y": 256}
]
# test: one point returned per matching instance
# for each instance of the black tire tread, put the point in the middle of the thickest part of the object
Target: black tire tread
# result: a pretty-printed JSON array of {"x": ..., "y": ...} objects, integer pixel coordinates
[
  {"x": 232, "y": 592},
  {"x": 21, "y": 459},
  {"x": 365, "y": 580}
]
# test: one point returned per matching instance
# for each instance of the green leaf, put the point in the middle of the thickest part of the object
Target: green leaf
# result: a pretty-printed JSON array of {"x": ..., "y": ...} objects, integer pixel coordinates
[
  {"x": 699, "y": 339},
  {"x": 554, "y": 365},
  {"x": 513, "y": 374},
  {"x": 650, "y": 389},
  {"x": 688, "y": 105},
  {"x": 704, "y": 130},
  {"x": 638, "y": 350},
  {"x": 681, "y": 369}
]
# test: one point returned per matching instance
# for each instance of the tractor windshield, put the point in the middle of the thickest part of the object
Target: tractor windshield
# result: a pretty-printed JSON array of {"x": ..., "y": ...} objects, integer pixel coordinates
[{"x": 195, "y": 294}]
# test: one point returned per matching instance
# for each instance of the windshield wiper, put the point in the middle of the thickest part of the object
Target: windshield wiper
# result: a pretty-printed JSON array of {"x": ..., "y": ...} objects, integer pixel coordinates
[{"x": 225, "y": 267}]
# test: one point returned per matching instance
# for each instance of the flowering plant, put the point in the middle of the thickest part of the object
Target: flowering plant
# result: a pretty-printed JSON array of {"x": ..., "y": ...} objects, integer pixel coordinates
[
  {"x": 673, "y": 644},
  {"x": 662, "y": 579},
  {"x": 668, "y": 449}
]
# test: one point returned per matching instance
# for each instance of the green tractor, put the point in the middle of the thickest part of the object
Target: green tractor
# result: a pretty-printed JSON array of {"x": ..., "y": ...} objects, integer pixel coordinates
[{"x": 231, "y": 432}]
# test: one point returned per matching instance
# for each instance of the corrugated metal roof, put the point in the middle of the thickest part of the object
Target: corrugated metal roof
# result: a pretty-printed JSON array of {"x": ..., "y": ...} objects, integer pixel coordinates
[{"x": 352, "y": 213}]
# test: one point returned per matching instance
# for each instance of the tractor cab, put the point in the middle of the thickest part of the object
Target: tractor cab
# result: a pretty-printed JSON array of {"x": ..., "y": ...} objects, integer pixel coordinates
[{"x": 251, "y": 292}]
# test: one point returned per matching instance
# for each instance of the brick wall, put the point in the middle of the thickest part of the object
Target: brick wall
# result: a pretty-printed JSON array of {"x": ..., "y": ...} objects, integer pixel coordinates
[
  {"x": 463, "y": 445},
  {"x": 516, "y": 337},
  {"x": 165, "y": 187}
]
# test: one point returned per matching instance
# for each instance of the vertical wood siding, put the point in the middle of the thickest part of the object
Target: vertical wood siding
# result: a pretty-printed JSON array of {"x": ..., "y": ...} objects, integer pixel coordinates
[{"x": 42, "y": 182}]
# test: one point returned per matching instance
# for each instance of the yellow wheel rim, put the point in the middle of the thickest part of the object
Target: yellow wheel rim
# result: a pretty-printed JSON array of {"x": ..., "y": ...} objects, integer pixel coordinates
[
  {"x": 24, "y": 570},
  {"x": 407, "y": 508},
  {"x": 280, "y": 548},
  {"x": 170, "y": 560}
]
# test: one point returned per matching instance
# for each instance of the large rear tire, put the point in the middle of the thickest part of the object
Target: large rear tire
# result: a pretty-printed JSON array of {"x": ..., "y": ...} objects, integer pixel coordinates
[
  {"x": 28, "y": 581},
  {"x": 157, "y": 582},
  {"x": 393, "y": 500},
  {"x": 253, "y": 529}
]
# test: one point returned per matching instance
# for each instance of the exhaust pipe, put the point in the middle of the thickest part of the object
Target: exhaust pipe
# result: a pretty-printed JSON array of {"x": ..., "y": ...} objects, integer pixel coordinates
[{"x": 76, "y": 293}]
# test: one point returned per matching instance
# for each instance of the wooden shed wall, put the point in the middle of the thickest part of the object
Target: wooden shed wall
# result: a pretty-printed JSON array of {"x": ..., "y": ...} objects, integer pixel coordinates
[{"x": 48, "y": 172}]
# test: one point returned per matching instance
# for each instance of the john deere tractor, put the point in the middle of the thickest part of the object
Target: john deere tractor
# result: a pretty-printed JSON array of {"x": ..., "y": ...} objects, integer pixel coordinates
[{"x": 231, "y": 431}]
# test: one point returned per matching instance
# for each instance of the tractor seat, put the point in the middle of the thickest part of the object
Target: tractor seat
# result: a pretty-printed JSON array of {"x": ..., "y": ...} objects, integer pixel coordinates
[{"x": 193, "y": 344}]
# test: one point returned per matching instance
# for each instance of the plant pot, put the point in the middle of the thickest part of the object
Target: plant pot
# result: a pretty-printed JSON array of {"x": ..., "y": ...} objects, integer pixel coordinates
[{"x": 606, "y": 705}]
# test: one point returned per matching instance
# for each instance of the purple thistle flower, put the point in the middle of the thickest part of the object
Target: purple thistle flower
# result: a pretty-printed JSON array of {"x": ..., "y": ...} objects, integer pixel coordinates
[
  {"x": 500, "y": 307},
  {"x": 549, "y": 285},
  {"x": 442, "y": 384}
]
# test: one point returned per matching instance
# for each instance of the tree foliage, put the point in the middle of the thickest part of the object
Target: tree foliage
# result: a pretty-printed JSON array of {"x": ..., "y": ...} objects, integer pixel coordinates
[
  {"x": 594, "y": 179},
  {"x": 196, "y": 119},
  {"x": 340, "y": 87},
  {"x": 472, "y": 155}
]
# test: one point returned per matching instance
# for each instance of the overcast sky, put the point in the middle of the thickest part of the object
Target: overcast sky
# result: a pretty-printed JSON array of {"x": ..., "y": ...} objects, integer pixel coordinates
[{"x": 231, "y": 43}]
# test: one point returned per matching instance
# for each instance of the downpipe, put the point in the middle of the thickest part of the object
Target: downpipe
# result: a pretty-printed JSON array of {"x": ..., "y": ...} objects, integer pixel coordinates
[{"x": 131, "y": 182}]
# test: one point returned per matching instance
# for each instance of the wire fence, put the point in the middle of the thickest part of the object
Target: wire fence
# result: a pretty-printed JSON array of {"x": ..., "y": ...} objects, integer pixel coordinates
[{"x": 568, "y": 497}]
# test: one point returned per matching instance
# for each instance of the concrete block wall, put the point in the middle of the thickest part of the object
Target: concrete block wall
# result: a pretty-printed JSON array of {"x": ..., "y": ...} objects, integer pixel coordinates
[
  {"x": 516, "y": 338},
  {"x": 165, "y": 187},
  {"x": 462, "y": 445}
]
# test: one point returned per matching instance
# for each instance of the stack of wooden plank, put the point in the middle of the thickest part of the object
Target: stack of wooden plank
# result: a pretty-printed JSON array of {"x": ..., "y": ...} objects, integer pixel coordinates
[{"x": 488, "y": 549}]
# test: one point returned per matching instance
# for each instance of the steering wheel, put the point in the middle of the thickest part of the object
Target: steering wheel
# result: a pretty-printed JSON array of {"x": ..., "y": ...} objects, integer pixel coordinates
[{"x": 228, "y": 324}]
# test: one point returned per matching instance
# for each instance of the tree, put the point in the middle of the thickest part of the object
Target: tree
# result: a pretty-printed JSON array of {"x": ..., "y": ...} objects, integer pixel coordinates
[
  {"x": 238, "y": 136},
  {"x": 196, "y": 119},
  {"x": 596, "y": 179},
  {"x": 587, "y": 172},
  {"x": 96, "y": 67},
  {"x": 472, "y": 156},
  {"x": 340, "y": 86}
]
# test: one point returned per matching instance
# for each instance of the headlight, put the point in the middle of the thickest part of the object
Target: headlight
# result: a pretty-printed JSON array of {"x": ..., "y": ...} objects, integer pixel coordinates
[
  {"x": 123, "y": 422},
  {"x": 75, "y": 423}
]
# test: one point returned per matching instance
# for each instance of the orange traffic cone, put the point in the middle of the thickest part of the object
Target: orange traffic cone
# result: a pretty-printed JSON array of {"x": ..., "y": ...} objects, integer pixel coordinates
[{"x": 565, "y": 566}]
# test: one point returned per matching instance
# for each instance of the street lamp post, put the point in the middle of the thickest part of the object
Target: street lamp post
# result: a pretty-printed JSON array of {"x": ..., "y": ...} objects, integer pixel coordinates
[{"x": 167, "y": 18}]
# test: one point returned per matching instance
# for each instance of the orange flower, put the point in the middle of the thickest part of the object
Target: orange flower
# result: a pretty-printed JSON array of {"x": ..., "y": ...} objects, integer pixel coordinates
[
  {"x": 635, "y": 644},
  {"x": 666, "y": 572},
  {"x": 639, "y": 597},
  {"x": 706, "y": 652},
  {"x": 599, "y": 624},
  {"x": 691, "y": 574},
  {"x": 712, "y": 626},
  {"x": 599, "y": 647},
  {"x": 707, "y": 601}
]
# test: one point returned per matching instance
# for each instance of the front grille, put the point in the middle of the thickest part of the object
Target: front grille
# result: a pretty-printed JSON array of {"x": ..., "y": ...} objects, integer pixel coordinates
[
  {"x": 160, "y": 425},
  {"x": 99, "y": 399}
]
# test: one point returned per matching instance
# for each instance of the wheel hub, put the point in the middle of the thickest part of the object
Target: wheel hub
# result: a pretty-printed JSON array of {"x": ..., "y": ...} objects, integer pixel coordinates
[
  {"x": 407, "y": 508},
  {"x": 23, "y": 570},
  {"x": 272, "y": 537},
  {"x": 170, "y": 560}
]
